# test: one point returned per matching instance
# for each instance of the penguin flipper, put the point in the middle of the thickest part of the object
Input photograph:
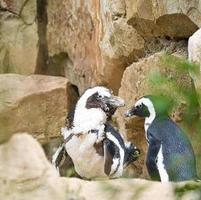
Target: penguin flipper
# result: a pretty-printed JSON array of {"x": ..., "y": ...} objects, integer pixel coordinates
[
  {"x": 59, "y": 156},
  {"x": 154, "y": 147},
  {"x": 111, "y": 152}
]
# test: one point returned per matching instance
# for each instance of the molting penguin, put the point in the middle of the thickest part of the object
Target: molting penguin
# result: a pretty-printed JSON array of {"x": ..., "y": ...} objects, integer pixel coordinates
[
  {"x": 170, "y": 156},
  {"x": 95, "y": 147}
]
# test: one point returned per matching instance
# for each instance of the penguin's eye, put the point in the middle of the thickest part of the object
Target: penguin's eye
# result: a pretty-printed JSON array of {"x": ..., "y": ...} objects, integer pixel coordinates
[
  {"x": 139, "y": 106},
  {"x": 99, "y": 96}
]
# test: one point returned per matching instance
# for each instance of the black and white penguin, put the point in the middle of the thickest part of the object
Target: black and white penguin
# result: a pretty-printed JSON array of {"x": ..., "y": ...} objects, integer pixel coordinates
[
  {"x": 95, "y": 147},
  {"x": 170, "y": 156}
]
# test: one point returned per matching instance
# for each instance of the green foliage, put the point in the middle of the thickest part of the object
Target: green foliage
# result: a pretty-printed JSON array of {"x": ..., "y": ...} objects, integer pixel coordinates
[
  {"x": 180, "y": 191},
  {"x": 176, "y": 84},
  {"x": 180, "y": 64}
]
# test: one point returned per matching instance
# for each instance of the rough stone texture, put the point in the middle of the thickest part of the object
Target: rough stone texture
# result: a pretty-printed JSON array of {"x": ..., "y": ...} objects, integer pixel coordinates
[
  {"x": 72, "y": 30},
  {"x": 132, "y": 189},
  {"x": 36, "y": 104},
  {"x": 120, "y": 43},
  {"x": 169, "y": 46},
  {"x": 25, "y": 172},
  {"x": 96, "y": 39},
  {"x": 170, "y": 18},
  {"x": 135, "y": 84},
  {"x": 18, "y": 36}
]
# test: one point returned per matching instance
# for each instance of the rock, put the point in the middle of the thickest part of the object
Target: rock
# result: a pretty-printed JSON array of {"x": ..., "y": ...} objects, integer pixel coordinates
[
  {"x": 132, "y": 189},
  {"x": 194, "y": 47},
  {"x": 92, "y": 41},
  {"x": 157, "y": 18},
  {"x": 72, "y": 30},
  {"x": 194, "y": 56},
  {"x": 18, "y": 36},
  {"x": 95, "y": 39},
  {"x": 36, "y": 104},
  {"x": 137, "y": 82},
  {"x": 157, "y": 44},
  {"x": 120, "y": 45},
  {"x": 25, "y": 172}
]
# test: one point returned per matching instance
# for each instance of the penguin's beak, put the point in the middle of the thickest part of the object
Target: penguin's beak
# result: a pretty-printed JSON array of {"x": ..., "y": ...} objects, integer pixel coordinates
[
  {"x": 114, "y": 101},
  {"x": 131, "y": 112}
]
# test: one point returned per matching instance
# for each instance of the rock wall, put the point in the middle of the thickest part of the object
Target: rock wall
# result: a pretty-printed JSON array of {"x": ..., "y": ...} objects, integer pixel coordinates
[
  {"x": 101, "y": 38},
  {"x": 18, "y": 36},
  {"x": 107, "y": 42}
]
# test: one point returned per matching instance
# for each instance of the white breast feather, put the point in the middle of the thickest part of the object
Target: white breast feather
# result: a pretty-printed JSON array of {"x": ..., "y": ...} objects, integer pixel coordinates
[{"x": 161, "y": 167}]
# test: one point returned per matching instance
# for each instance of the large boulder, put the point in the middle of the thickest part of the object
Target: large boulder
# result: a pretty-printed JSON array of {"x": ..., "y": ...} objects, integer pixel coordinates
[
  {"x": 18, "y": 36},
  {"x": 137, "y": 81},
  {"x": 36, "y": 104},
  {"x": 133, "y": 189},
  {"x": 25, "y": 172},
  {"x": 93, "y": 39},
  {"x": 177, "y": 19}
]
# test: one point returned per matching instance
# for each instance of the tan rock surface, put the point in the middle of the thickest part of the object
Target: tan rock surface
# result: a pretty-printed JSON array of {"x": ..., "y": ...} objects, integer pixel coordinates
[
  {"x": 96, "y": 39},
  {"x": 18, "y": 37},
  {"x": 25, "y": 172},
  {"x": 132, "y": 189},
  {"x": 169, "y": 18},
  {"x": 73, "y": 30},
  {"x": 101, "y": 38},
  {"x": 36, "y": 104}
]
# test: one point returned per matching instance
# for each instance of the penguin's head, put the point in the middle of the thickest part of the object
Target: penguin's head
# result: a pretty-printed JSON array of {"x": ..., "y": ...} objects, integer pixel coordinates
[
  {"x": 95, "y": 106},
  {"x": 101, "y": 98},
  {"x": 150, "y": 105}
]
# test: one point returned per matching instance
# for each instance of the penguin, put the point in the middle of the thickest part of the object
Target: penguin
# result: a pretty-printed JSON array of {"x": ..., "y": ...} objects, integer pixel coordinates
[
  {"x": 96, "y": 148},
  {"x": 170, "y": 155}
]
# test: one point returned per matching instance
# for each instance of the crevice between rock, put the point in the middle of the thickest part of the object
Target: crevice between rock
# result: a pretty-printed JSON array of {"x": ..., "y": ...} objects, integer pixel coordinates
[{"x": 42, "y": 59}]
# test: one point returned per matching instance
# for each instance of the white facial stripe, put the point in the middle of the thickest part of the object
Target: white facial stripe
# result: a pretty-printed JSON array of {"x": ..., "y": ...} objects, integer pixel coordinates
[
  {"x": 147, "y": 102},
  {"x": 150, "y": 107},
  {"x": 161, "y": 168}
]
